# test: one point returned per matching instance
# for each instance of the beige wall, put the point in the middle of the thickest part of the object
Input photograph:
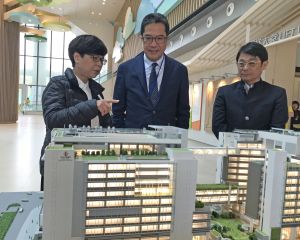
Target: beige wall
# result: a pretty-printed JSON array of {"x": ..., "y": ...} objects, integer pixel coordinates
[
  {"x": 211, "y": 92},
  {"x": 296, "y": 89},
  {"x": 281, "y": 67}
]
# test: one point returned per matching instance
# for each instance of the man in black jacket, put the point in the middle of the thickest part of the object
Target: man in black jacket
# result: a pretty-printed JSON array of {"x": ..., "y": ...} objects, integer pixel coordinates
[
  {"x": 250, "y": 103},
  {"x": 75, "y": 98}
]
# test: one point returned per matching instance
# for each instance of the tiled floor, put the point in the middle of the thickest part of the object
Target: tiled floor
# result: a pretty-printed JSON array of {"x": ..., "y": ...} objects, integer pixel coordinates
[{"x": 20, "y": 146}]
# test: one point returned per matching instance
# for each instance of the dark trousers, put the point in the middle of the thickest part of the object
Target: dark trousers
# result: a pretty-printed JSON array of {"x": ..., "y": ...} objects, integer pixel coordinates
[{"x": 42, "y": 183}]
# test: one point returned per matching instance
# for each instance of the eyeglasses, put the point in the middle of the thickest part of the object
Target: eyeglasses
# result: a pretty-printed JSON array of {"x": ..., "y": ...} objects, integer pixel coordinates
[
  {"x": 98, "y": 59},
  {"x": 158, "y": 39},
  {"x": 250, "y": 64}
]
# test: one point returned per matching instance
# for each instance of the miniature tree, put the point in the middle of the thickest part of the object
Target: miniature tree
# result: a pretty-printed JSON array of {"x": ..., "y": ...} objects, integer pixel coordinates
[
  {"x": 252, "y": 236},
  {"x": 215, "y": 214},
  {"x": 199, "y": 204},
  {"x": 102, "y": 152}
]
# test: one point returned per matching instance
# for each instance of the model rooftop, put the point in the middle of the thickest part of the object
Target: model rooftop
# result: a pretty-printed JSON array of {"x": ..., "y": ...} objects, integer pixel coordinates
[{"x": 159, "y": 135}]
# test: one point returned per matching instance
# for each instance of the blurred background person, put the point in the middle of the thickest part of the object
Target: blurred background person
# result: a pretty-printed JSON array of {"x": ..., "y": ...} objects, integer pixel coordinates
[{"x": 295, "y": 118}]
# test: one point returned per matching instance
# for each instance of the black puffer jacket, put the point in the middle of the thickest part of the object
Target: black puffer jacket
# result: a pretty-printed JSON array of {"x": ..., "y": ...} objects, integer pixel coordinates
[{"x": 64, "y": 103}]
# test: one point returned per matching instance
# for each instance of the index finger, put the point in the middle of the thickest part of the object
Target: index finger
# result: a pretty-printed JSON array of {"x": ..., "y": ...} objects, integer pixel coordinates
[{"x": 112, "y": 101}]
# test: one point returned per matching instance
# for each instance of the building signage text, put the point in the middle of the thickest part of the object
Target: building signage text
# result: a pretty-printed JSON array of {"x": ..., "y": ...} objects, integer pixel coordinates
[{"x": 279, "y": 36}]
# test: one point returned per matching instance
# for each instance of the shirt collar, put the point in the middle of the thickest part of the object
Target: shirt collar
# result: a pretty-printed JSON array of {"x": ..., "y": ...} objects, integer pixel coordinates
[
  {"x": 81, "y": 84},
  {"x": 148, "y": 62}
]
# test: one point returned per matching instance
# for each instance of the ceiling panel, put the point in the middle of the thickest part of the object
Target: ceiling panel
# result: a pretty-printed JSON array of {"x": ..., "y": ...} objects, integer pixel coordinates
[{"x": 265, "y": 17}]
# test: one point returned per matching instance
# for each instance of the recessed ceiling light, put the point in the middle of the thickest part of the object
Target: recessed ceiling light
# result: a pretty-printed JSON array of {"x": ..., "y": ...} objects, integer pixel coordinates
[
  {"x": 92, "y": 12},
  {"x": 103, "y": 3},
  {"x": 99, "y": 13}
]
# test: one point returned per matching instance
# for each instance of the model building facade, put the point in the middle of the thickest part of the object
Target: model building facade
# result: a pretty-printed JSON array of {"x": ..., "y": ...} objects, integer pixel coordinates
[{"x": 91, "y": 192}]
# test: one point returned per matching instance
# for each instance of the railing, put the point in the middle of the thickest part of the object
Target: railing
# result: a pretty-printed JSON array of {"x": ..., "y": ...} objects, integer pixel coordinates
[{"x": 107, "y": 77}]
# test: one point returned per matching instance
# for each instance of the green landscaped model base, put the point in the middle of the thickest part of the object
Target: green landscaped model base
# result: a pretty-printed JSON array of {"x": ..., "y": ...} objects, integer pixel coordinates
[
  {"x": 149, "y": 157},
  {"x": 6, "y": 220},
  {"x": 233, "y": 225},
  {"x": 215, "y": 187},
  {"x": 99, "y": 158}
]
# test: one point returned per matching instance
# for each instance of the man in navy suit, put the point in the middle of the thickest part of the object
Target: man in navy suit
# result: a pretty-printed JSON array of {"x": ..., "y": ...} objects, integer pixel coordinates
[
  {"x": 250, "y": 103},
  {"x": 152, "y": 88}
]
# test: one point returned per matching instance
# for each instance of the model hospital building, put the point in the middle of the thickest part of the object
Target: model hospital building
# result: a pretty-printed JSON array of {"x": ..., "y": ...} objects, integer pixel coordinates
[{"x": 121, "y": 197}]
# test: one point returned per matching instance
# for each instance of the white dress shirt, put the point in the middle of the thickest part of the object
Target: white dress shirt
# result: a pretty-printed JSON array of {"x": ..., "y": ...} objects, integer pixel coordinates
[
  {"x": 159, "y": 69},
  {"x": 85, "y": 87}
]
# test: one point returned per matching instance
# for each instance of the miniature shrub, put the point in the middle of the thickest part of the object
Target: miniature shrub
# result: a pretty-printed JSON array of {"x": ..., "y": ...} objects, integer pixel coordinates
[
  {"x": 240, "y": 228},
  {"x": 217, "y": 227},
  {"x": 215, "y": 214},
  {"x": 227, "y": 215},
  {"x": 199, "y": 204},
  {"x": 252, "y": 236}
]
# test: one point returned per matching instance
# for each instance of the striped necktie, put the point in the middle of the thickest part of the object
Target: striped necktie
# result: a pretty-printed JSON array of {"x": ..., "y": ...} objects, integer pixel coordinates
[{"x": 153, "y": 89}]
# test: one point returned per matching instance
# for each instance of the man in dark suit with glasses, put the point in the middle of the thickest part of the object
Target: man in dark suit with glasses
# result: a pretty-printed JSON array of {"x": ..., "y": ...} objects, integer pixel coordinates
[
  {"x": 152, "y": 88},
  {"x": 250, "y": 103}
]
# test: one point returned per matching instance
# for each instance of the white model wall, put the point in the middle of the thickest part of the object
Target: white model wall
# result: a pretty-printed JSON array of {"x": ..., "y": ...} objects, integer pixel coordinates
[
  {"x": 58, "y": 195},
  {"x": 274, "y": 190},
  {"x": 209, "y": 169},
  {"x": 185, "y": 192}
]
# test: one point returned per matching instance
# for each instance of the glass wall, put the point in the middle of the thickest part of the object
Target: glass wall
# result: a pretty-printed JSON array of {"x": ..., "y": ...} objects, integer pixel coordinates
[{"x": 39, "y": 61}]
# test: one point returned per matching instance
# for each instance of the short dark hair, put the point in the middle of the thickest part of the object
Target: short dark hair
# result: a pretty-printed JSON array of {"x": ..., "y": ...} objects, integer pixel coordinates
[
  {"x": 295, "y": 102},
  {"x": 254, "y": 49},
  {"x": 86, "y": 44},
  {"x": 155, "y": 18}
]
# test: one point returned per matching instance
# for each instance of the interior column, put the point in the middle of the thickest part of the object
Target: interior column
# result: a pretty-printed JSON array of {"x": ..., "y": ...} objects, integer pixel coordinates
[{"x": 9, "y": 68}]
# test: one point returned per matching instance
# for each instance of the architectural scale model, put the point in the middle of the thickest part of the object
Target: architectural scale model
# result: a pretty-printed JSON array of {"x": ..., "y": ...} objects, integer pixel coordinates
[
  {"x": 133, "y": 184},
  {"x": 20, "y": 215},
  {"x": 260, "y": 183},
  {"x": 111, "y": 184}
]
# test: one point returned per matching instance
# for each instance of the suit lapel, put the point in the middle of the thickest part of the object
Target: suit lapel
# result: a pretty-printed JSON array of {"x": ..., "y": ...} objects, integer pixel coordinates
[
  {"x": 140, "y": 72},
  {"x": 165, "y": 77}
]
